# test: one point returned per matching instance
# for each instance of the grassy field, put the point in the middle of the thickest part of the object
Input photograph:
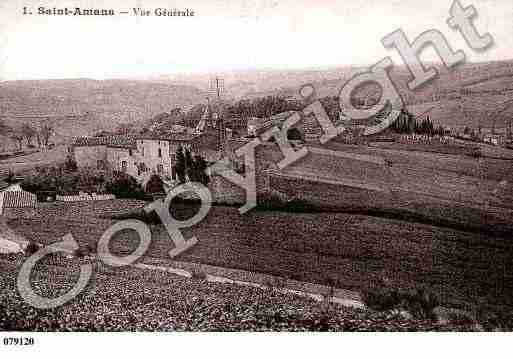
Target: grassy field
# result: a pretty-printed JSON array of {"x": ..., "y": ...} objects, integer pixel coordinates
[{"x": 355, "y": 250}]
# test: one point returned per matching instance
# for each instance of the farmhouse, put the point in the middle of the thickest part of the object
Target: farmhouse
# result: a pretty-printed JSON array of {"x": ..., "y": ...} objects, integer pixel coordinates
[{"x": 153, "y": 152}]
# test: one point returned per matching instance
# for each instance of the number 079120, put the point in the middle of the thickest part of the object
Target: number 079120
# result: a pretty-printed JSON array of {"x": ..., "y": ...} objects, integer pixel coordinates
[{"x": 15, "y": 341}]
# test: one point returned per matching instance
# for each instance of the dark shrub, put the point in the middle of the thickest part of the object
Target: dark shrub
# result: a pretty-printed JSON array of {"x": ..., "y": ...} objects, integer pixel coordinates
[
  {"x": 475, "y": 152},
  {"x": 278, "y": 201},
  {"x": 419, "y": 302},
  {"x": 198, "y": 274},
  {"x": 381, "y": 297},
  {"x": 31, "y": 248},
  {"x": 70, "y": 165},
  {"x": 124, "y": 186},
  {"x": 154, "y": 185}
]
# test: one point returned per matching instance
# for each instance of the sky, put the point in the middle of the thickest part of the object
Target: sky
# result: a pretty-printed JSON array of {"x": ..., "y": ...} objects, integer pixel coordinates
[{"x": 227, "y": 35}]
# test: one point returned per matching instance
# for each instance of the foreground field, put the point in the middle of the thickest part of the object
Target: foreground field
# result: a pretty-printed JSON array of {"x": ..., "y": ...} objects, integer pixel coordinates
[
  {"x": 132, "y": 299},
  {"x": 355, "y": 250}
]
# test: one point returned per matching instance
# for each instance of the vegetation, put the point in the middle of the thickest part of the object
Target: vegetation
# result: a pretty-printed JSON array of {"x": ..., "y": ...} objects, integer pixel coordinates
[
  {"x": 31, "y": 248},
  {"x": 132, "y": 299},
  {"x": 418, "y": 302},
  {"x": 27, "y": 132},
  {"x": 124, "y": 186},
  {"x": 190, "y": 167},
  {"x": 154, "y": 185},
  {"x": 63, "y": 180},
  {"x": 407, "y": 123},
  {"x": 67, "y": 180}
]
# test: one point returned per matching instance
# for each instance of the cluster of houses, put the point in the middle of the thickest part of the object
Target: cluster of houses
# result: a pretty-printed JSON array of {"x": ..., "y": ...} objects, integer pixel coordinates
[{"x": 151, "y": 153}]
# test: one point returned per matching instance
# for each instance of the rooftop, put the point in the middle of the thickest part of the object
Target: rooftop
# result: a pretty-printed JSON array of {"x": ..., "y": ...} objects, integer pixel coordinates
[
  {"x": 169, "y": 136},
  {"x": 111, "y": 141}
]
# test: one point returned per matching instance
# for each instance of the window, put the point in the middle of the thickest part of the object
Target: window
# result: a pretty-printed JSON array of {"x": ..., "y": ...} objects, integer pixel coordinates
[
  {"x": 142, "y": 151},
  {"x": 160, "y": 169},
  {"x": 160, "y": 152},
  {"x": 130, "y": 153},
  {"x": 123, "y": 166}
]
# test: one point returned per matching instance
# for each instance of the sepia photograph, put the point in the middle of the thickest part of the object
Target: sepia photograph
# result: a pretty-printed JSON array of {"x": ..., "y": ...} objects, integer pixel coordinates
[{"x": 255, "y": 166}]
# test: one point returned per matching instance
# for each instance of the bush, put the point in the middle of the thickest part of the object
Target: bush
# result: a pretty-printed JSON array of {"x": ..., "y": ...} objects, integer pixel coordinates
[
  {"x": 419, "y": 302},
  {"x": 31, "y": 248},
  {"x": 198, "y": 274},
  {"x": 276, "y": 200},
  {"x": 381, "y": 298},
  {"x": 154, "y": 185},
  {"x": 124, "y": 186},
  {"x": 475, "y": 152},
  {"x": 70, "y": 165}
]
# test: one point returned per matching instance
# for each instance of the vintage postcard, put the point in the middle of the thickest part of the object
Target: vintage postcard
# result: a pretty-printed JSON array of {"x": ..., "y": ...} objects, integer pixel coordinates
[{"x": 255, "y": 166}]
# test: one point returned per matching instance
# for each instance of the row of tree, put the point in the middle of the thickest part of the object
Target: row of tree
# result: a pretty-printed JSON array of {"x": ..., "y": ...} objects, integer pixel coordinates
[
  {"x": 407, "y": 123},
  {"x": 30, "y": 134}
]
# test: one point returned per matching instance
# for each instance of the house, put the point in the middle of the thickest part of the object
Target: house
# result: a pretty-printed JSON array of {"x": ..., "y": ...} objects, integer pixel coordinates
[
  {"x": 100, "y": 151},
  {"x": 156, "y": 153}
]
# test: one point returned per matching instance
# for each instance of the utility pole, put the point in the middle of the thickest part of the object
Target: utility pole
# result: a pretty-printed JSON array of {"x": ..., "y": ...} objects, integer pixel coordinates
[{"x": 217, "y": 86}]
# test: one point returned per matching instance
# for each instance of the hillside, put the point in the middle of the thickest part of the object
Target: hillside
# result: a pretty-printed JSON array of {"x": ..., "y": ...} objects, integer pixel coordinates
[
  {"x": 79, "y": 106},
  {"x": 463, "y": 97}
]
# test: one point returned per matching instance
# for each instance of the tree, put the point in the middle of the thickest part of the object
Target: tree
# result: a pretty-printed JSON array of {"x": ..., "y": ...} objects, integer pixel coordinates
[
  {"x": 200, "y": 170},
  {"x": 189, "y": 163},
  {"x": 180, "y": 166},
  {"x": 28, "y": 133},
  {"x": 45, "y": 133},
  {"x": 4, "y": 129},
  {"x": 406, "y": 123},
  {"x": 16, "y": 135},
  {"x": 70, "y": 165}
]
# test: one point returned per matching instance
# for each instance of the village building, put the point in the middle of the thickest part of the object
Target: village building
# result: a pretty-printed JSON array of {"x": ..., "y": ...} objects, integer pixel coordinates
[{"x": 152, "y": 152}]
